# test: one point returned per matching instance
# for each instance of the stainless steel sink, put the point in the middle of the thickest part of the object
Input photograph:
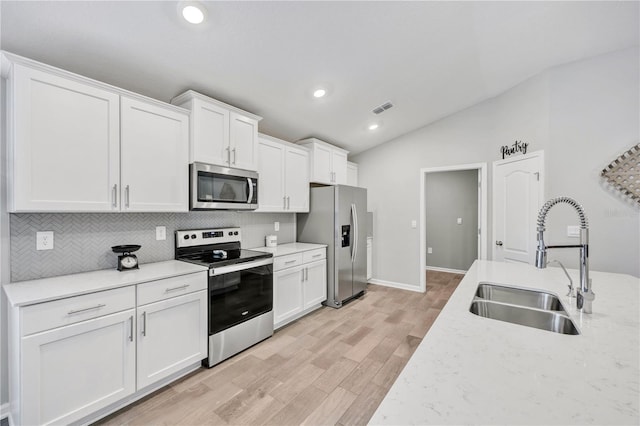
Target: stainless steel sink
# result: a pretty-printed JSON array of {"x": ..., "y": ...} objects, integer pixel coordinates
[
  {"x": 518, "y": 296},
  {"x": 531, "y": 308},
  {"x": 544, "y": 320}
]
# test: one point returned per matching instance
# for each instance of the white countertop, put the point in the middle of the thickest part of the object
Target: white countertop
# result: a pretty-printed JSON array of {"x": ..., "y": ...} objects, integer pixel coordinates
[
  {"x": 289, "y": 248},
  {"x": 474, "y": 370},
  {"x": 46, "y": 289}
]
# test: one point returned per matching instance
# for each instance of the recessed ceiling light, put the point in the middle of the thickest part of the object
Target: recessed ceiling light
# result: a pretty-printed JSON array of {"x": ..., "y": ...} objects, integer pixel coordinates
[
  {"x": 318, "y": 93},
  {"x": 373, "y": 126},
  {"x": 193, "y": 13}
]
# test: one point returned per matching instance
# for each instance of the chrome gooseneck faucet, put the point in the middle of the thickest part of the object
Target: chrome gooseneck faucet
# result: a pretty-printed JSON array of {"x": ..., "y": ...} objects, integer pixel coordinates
[{"x": 585, "y": 295}]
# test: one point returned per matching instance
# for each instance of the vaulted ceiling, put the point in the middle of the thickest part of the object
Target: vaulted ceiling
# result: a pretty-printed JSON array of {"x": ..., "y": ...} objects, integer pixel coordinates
[{"x": 430, "y": 59}]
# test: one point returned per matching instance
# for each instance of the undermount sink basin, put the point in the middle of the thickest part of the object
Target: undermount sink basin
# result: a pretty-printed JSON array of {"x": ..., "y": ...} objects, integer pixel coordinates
[
  {"x": 544, "y": 320},
  {"x": 518, "y": 296},
  {"x": 531, "y": 308}
]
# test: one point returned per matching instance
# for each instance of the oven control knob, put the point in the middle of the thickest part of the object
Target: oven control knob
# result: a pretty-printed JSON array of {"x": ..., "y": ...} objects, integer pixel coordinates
[
  {"x": 235, "y": 233},
  {"x": 230, "y": 233},
  {"x": 193, "y": 236},
  {"x": 186, "y": 237}
]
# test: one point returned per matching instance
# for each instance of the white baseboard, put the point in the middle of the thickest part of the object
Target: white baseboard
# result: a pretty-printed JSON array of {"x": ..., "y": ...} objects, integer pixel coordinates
[
  {"x": 4, "y": 410},
  {"x": 394, "y": 284},
  {"x": 453, "y": 271}
]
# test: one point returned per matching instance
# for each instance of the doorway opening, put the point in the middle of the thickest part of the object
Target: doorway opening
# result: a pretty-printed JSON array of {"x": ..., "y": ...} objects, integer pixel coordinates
[{"x": 452, "y": 234}]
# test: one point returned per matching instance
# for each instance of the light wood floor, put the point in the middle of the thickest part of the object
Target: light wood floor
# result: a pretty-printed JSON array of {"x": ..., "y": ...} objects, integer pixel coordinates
[{"x": 333, "y": 366}]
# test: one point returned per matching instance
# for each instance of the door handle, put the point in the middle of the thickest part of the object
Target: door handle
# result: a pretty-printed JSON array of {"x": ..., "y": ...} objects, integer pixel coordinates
[
  {"x": 228, "y": 155},
  {"x": 234, "y": 155},
  {"x": 284, "y": 203},
  {"x": 288, "y": 202},
  {"x": 114, "y": 196},
  {"x": 131, "y": 329},
  {"x": 126, "y": 194},
  {"x": 498, "y": 243},
  {"x": 250, "y": 196},
  {"x": 144, "y": 323}
]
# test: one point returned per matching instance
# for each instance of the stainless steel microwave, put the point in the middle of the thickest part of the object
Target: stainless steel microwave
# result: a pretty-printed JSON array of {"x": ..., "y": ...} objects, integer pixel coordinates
[{"x": 221, "y": 188}]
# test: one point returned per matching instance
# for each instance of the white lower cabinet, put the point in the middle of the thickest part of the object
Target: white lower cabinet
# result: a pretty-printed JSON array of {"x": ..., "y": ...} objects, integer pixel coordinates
[
  {"x": 170, "y": 336},
  {"x": 299, "y": 285},
  {"x": 315, "y": 283},
  {"x": 287, "y": 294},
  {"x": 72, "y": 358},
  {"x": 72, "y": 371}
]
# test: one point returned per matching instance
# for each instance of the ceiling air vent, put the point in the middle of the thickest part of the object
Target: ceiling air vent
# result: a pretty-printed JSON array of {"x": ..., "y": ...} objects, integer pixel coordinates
[{"x": 382, "y": 108}]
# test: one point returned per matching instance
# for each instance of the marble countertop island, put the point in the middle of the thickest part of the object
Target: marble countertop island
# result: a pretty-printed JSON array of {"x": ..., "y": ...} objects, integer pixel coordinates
[{"x": 473, "y": 370}]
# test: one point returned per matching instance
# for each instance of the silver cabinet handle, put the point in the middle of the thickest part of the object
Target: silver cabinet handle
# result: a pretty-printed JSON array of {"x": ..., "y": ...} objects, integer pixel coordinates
[
  {"x": 234, "y": 155},
  {"x": 316, "y": 255},
  {"x": 126, "y": 195},
  {"x": 131, "y": 329},
  {"x": 79, "y": 311},
  {"x": 284, "y": 203},
  {"x": 182, "y": 287},
  {"x": 306, "y": 274},
  {"x": 114, "y": 196},
  {"x": 498, "y": 243},
  {"x": 288, "y": 203},
  {"x": 228, "y": 156},
  {"x": 144, "y": 323},
  {"x": 290, "y": 261}
]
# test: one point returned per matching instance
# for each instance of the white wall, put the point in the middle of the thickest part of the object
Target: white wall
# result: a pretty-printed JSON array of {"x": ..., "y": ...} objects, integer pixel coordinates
[{"x": 581, "y": 114}]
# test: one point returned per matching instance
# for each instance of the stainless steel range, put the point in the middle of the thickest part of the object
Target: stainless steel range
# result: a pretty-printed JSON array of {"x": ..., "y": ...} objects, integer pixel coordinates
[{"x": 240, "y": 289}]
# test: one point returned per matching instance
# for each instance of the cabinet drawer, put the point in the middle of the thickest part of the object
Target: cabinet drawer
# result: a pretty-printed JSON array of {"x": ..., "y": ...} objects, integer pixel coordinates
[
  {"x": 49, "y": 315},
  {"x": 171, "y": 287},
  {"x": 282, "y": 262},
  {"x": 313, "y": 255}
]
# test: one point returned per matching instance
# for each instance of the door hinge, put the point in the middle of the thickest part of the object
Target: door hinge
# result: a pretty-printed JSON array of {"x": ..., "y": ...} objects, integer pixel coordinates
[
  {"x": 479, "y": 231},
  {"x": 537, "y": 176}
]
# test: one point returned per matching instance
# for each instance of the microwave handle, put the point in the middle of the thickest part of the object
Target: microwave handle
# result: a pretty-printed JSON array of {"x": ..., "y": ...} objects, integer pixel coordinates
[{"x": 250, "y": 183}]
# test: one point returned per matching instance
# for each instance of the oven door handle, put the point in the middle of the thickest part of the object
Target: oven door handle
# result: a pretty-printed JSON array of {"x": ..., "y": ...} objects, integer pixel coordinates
[{"x": 240, "y": 267}]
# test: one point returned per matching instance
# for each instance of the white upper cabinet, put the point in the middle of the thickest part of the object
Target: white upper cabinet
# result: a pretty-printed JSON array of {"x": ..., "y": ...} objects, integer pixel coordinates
[
  {"x": 220, "y": 134},
  {"x": 328, "y": 163},
  {"x": 283, "y": 185},
  {"x": 64, "y": 143},
  {"x": 72, "y": 139},
  {"x": 155, "y": 157},
  {"x": 352, "y": 174}
]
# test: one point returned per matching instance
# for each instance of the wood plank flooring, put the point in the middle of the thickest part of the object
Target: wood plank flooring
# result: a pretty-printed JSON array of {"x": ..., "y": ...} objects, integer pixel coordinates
[{"x": 333, "y": 366}]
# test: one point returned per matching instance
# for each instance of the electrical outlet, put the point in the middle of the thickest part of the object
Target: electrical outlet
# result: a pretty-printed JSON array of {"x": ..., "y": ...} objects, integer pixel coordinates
[
  {"x": 429, "y": 250},
  {"x": 414, "y": 223},
  {"x": 44, "y": 240},
  {"x": 276, "y": 226},
  {"x": 459, "y": 221},
  {"x": 161, "y": 233}
]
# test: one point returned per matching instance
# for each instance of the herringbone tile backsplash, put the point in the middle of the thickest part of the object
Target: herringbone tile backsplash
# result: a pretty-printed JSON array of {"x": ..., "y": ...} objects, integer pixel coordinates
[{"x": 83, "y": 241}]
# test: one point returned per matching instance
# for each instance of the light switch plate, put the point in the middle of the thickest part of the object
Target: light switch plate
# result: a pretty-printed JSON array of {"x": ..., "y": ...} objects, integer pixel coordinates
[
  {"x": 44, "y": 240},
  {"x": 573, "y": 231},
  {"x": 276, "y": 226},
  {"x": 459, "y": 221},
  {"x": 161, "y": 233},
  {"x": 429, "y": 250}
]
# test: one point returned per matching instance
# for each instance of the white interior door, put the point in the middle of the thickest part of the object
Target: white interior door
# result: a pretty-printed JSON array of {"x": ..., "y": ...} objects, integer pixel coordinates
[{"x": 518, "y": 191}]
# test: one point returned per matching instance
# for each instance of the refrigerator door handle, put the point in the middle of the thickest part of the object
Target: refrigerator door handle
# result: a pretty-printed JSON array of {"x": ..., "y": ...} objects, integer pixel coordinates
[{"x": 354, "y": 236}]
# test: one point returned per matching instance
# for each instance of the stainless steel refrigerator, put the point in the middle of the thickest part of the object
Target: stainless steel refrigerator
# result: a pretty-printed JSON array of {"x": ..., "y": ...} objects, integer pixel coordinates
[{"x": 338, "y": 218}]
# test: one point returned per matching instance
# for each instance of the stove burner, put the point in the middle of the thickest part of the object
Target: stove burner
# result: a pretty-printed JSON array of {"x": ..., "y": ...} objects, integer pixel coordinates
[{"x": 219, "y": 254}]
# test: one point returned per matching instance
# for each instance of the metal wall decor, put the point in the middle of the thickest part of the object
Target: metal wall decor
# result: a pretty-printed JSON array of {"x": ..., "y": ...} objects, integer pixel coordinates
[
  {"x": 623, "y": 174},
  {"x": 518, "y": 146}
]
